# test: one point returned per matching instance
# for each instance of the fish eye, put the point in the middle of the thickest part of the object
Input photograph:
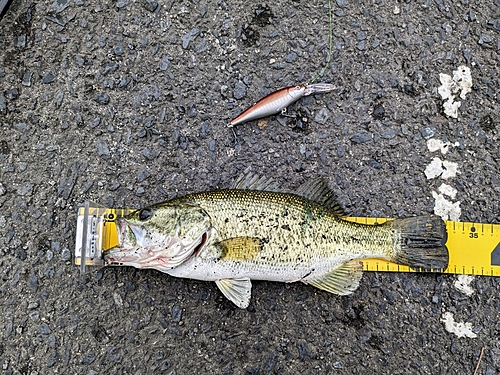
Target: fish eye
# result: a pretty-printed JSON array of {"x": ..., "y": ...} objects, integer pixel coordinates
[
  {"x": 145, "y": 214},
  {"x": 297, "y": 87}
]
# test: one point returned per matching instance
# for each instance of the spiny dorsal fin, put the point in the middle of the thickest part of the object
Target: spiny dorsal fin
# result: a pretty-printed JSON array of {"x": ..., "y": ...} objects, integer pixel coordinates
[
  {"x": 237, "y": 291},
  {"x": 342, "y": 280},
  {"x": 317, "y": 190},
  {"x": 252, "y": 181},
  {"x": 240, "y": 248}
]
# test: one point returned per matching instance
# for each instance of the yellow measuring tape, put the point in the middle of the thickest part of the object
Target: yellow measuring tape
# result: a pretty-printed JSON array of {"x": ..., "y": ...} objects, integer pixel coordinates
[{"x": 474, "y": 248}]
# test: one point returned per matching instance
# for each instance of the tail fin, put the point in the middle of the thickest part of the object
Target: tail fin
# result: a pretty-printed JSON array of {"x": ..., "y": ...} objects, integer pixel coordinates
[{"x": 422, "y": 242}]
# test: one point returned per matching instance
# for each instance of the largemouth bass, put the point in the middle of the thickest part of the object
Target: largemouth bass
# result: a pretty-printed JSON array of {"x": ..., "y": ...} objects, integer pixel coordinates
[{"x": 257, "y": 230}]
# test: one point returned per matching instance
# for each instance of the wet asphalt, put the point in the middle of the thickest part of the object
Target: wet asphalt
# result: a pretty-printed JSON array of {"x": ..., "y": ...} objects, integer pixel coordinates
[{"x": 125, "y": 103}]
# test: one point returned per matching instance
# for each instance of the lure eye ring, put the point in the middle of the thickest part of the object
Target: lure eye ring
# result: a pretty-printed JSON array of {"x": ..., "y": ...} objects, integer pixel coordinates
[{"x": 145, "y": 214}]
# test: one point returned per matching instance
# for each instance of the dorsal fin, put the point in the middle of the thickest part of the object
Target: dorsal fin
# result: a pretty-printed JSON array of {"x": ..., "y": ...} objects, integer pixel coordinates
[
  {"x": 252, "y": 181},
  {"x": 317, "y": 190}
]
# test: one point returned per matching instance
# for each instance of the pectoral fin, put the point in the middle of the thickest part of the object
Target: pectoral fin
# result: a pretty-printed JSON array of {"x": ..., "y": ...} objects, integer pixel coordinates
[
  {"x": 240, "y": 248},
  {"x": 342, "y": 280},
  {"x": 237, "y": 291}
]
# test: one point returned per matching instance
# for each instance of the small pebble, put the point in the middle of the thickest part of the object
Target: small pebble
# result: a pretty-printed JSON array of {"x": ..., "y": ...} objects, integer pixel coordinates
[
  {"x": 165, "y": 62},
  {"x": 240, "y": 90},
  {"x": 27, "y": 79},
  {"x": 66, "y": 254},
  {"x": 291, "y": 57},
  {"x": 378, "y": 112},
  {"x": 33, "y": 281},
  {"x": 3, "y": 103},
  {"x": 361, "y": 137},
  {"x": 102, "y": 148},
  {"x": 428, "y": 132},
  {"x": 322, "y": 116},
  {"x": 189, "y": 37},
  {"x": 48, "y": 78},
  {"x": 149, "y": 5},
  {"x": 110, "y": 67},
  {"x": 12, "y": 94},
  {"x": 101, "y": 98}
]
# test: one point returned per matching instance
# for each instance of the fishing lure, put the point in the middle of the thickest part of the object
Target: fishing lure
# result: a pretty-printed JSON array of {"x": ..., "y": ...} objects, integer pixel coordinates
[{"x": 278, "y": 101}]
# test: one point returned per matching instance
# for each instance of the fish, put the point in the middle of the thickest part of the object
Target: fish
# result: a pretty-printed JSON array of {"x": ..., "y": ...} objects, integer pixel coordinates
[
  {"x": 278, "y": 100},
  {"x": 257, "y": 230}
]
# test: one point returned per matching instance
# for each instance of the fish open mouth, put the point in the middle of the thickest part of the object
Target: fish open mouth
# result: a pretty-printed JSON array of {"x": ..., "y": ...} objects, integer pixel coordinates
[{"x": 163, "y": 258}]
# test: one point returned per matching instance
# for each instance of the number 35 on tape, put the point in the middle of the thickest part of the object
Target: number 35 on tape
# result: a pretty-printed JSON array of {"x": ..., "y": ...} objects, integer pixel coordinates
[{"x": 474, "y": 249}]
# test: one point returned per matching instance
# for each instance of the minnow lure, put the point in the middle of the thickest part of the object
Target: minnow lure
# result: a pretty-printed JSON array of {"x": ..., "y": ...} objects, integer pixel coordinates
[{"x": 279, "y": 100}]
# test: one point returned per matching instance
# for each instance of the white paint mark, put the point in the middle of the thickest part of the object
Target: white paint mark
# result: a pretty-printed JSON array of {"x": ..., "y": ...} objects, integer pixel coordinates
[
  {"x": 434, "y": 169},
  {"x": 460, "y": 329},
  {"x": 445, "y": 169},
  {"x": 445, "y": 189},
  {"x": 461, "y": 81},
  {"x": 446, "y": 209},
  {"x": 436, "y": 144},
  {"x": 450, "y": 169},
  {"x": 463, "y": 284}
]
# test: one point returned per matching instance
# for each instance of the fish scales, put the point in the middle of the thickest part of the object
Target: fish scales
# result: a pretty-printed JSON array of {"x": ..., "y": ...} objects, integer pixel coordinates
[{"x": 297, "y": 234}]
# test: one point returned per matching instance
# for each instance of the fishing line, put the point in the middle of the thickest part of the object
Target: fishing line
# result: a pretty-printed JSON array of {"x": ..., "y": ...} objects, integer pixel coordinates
[{"x": 330, "y": 46}]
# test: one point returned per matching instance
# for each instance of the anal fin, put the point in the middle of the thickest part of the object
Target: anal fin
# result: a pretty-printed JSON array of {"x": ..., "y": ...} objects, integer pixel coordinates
[
  {"x": 342, "y": 280},
  {"x": 237, "y": 291}
]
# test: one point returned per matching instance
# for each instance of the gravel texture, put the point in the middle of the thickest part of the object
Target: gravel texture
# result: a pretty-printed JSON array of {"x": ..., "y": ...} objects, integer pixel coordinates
[{"x": 126, "y": 103}]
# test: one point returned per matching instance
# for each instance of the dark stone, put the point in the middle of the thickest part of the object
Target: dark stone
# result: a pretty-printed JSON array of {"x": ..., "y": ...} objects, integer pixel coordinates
[
  {"x": 113, "y": 185},
  {"x": 21, "y": 126},
  {"x": 4, "y": 148},
  {"x": 121, "y": 3},
  {"x": 362, "y": 137},
  {"x": 110, "y": 67},
  {"x": 240, "y": 90},
  {"x": 44, "y": 328},
  {"x": 303, "y": 352},
  {"x": 56, "y": 19},
  {"x": 378, "y": 112},
  {"x": 101, "y": 98},
  {"x": 59, "y": 98},
  {"x": 164, "y": 63},
  {"x": 21, "y": 41},
  {"x": 322, "y": 116},
  {"x": 102, "y": 148},
  {"x": 176, "y": 313},
  {"x": 3, "y": 103},
  {"x": 33, "y": 281},
  {"x": 12, "y": 93},
  {"x": 291, "y": 57},
  {"x": 60, "y": 5},
  {"x": 149, "y": 5},
  {"x": 388, "y": 134},
  {"x": 118, "y": 50},
  {"x": 428, "y": 132},
  {"x": 48, "y": 78},
  {"x": 189, "y": 37}
]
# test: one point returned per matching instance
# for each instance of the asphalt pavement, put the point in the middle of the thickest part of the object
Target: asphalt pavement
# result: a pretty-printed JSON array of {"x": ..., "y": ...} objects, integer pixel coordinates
[{"x": 126, "y": 103}]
